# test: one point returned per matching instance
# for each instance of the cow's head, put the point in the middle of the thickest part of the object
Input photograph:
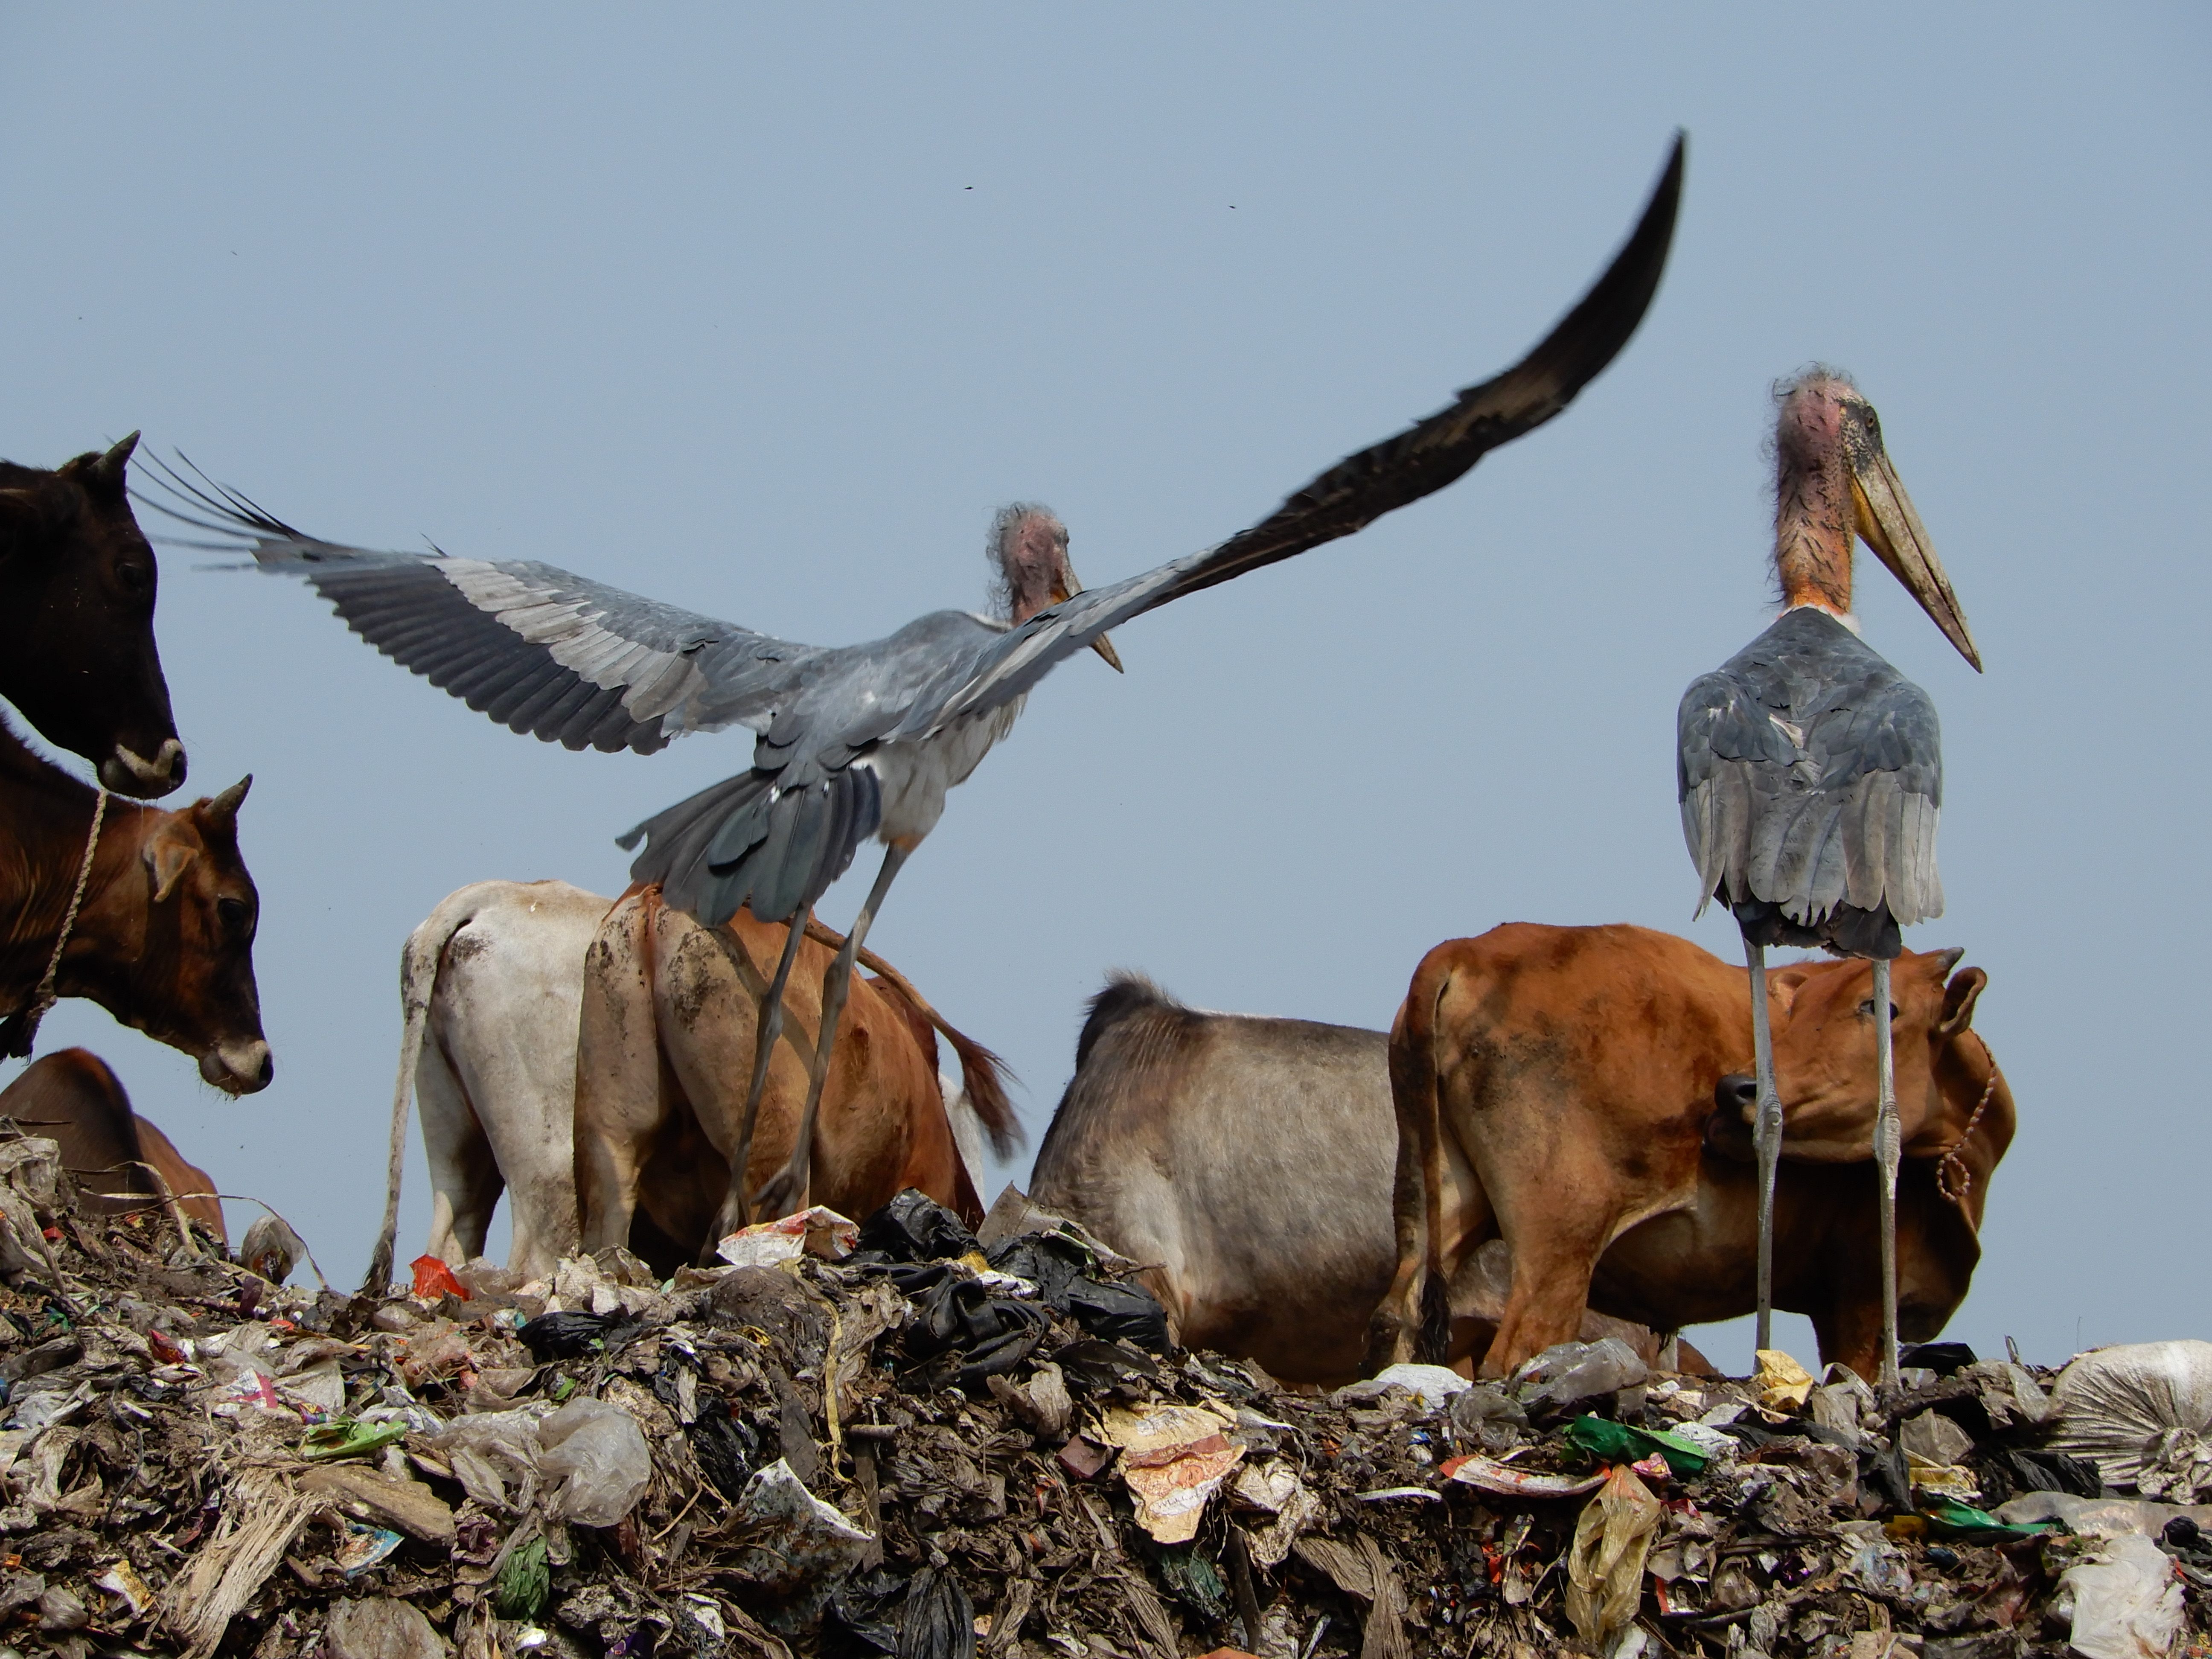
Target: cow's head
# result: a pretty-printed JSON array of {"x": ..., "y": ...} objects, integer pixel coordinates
[
  {"x": 77, "y": 582},
  {"x": 165, "y": 943},
  {"x": 1824, "y": 1060}
]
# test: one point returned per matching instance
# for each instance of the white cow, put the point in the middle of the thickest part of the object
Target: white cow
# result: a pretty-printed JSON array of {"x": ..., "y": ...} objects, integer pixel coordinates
[{"x": 491, "y": 987}]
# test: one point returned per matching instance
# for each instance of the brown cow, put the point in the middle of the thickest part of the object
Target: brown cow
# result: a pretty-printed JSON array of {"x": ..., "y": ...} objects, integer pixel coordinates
[
  {"x": 75, "y": 1098},
  {"x": 1277, "y": 1247},
  {"x": 164, "y": 939},
  {"x": 665, "y": 1053},
  {"x": 1576, "y": 1072},
  {"x": 77, "y": 584}
]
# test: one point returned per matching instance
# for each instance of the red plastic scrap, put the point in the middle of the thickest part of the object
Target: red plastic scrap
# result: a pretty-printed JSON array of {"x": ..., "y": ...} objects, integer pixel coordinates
[{"x": 433, "y": 1279}]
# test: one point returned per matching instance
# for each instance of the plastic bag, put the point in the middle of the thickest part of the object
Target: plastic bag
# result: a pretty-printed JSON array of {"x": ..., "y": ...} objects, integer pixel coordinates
[
  {"x": 938, "y": 1620},
  {"x": 966, "y": 1333},
  {"x": 1604, "y": 1564},
  {"x": 2115, "y": 1403},
  {"x": 1572, "y": 1371},
  {"x": 1124, "y": 1312},
  {"x": 915, "y": 1227},
  {"x": 563, "y": 1335},
  {"x": 2127, "y": 1603},
  {"x": 600, "y": 1454},
  {"x": 724, "y": 1448}
]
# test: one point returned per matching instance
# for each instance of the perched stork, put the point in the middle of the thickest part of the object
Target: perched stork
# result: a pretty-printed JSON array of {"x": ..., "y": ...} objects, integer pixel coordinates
[
  {"x": 1810, "y": 771},
  {"x": 865, "y": 740}
]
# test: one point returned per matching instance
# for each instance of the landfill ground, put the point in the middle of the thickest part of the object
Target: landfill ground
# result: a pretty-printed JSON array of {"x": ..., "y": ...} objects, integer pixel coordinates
[{"x": 937, "y": 1447}]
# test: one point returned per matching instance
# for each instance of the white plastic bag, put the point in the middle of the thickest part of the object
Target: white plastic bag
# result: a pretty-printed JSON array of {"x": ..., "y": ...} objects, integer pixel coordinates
[
  {"x": 2127, "y": 1602},
  {"x": 599, "y": 1453},
  {"x": 2114, "y": 1403}
]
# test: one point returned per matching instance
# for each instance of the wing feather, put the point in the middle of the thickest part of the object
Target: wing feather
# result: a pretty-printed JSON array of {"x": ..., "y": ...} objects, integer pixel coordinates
[
  {"x": 491, "y": 633},
  {"x": 1358, "y": 489}
]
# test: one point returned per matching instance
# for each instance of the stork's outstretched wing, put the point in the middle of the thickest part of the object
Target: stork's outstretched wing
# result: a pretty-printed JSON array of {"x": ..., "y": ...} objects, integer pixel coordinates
[
  {"x": 541, "y": 651},
  {"x": 1362, "y": 488},
  {"x": 1811, "y": 777}
]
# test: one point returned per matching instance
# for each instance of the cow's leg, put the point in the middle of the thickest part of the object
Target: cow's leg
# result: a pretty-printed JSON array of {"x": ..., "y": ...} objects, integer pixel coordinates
[
  {"x": 464, "y": 1178},
  {"x": 786, "y": 1190},
  {"x": 1766, "y": 1137},
  {"x": 1888, "y": 1137},
  {"x": 736, "y": 1210},
  {"x": 621, "y": 1102}
]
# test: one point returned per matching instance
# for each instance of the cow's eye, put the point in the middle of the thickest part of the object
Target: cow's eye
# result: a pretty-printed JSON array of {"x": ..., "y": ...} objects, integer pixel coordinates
[
  {"x": 134, "y": 578},
  {"x": 1866, "y": 1009},
  {"x": 235, "y": 914}
]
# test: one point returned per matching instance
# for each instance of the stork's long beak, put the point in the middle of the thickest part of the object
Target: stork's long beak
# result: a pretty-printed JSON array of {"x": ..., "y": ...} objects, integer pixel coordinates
[
  {"x": 1889, "y": 525},
  {"x": 1066, "y": 587}
]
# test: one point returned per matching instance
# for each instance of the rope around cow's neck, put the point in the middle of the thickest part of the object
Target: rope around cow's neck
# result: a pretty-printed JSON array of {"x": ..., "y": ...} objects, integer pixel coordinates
[
  {"x": 1952, "y": 1178},
  {"x": 25, "y": 1024}
]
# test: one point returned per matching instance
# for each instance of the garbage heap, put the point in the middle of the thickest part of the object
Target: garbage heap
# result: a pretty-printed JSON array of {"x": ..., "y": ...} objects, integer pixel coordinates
[{"x": 903, "y": 1439}]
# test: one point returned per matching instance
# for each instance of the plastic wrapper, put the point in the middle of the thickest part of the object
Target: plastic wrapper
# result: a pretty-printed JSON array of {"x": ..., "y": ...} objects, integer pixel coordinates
[
  {"x": 600, "y": 1454},
  {"x": 1604, "y": 1564},
  {"x": 817, "y": 1232},
  {"x": 1574, "y": 1371}
]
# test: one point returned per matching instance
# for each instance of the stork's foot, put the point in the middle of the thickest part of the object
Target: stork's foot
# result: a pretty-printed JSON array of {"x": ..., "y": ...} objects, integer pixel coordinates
[{"x": 782, "y": 1193}]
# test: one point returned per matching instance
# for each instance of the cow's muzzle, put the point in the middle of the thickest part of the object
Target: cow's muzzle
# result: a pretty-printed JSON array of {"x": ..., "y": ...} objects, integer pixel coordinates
[
  {"x": 1735, "y": 1108},
  {"x": 128, "y": 773},
  {"x": 238, "y": 1068}
]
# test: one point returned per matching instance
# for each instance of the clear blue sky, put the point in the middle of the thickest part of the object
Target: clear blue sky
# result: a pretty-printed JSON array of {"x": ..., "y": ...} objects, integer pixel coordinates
[{"x": 762, "y": 312}]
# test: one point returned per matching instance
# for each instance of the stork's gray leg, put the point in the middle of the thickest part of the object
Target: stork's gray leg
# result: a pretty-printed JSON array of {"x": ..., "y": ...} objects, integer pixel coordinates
[
  {"x": 1766, "y": 1137},
  {"x": 786, "y": 1190},
  {"x": 1888, "y": 1134},
  {"x": 734, "y": 1213}
]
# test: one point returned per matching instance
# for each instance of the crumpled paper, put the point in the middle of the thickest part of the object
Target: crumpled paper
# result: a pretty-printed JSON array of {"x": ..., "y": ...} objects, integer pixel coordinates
[{"x": 1173, "y": 1460}]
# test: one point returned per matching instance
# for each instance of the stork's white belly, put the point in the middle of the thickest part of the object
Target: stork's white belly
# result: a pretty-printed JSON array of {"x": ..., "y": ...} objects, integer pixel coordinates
[{"x": 914, "y": 777}]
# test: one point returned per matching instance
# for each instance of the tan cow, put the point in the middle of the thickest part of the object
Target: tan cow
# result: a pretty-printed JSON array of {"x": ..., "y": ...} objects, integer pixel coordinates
[
  {"x": 665, "y": 1053},
  {"x": 1576, "y": 1073},
  {"x": 492, "y": 990}
]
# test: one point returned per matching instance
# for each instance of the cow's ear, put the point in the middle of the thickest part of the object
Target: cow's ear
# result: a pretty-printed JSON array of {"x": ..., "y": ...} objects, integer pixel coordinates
[
  {"x": 167, "y": 855},
  {"x": 1784, "y": 983},
  {"x": 1959, "y": 999}
]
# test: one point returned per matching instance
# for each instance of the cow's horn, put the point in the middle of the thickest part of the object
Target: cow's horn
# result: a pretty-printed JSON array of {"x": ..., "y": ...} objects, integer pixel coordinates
[
  {"x": 107, "y": 473},
  {"x": 226, "y": 804}
]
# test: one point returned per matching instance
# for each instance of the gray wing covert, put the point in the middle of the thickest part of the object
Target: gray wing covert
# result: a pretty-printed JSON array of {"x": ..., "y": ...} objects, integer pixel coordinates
[
  {"x": 1811, "y": 780},
  {"x": 539, "y": 649},
  {"x": 1360, "y": 489}
]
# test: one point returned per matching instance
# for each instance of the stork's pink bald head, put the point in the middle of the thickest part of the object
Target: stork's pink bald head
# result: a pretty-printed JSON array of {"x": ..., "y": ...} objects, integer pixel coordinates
[{"x": 1028, "y": 555}]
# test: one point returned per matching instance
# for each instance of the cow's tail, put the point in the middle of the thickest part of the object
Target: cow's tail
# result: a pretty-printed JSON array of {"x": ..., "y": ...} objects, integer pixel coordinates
[
  {"x": 1414, "y": 1322},
  {"x": 983, "y": 1074},
  {"x": 418, "y": 981}
]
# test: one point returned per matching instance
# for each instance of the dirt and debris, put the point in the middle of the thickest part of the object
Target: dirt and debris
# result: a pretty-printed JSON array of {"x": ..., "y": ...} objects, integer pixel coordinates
[{"x": 909, "y": 1440}]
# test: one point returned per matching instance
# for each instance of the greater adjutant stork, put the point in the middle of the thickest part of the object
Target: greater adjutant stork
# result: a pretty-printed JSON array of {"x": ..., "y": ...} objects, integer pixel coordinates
[
  {"x": 1810, "y": 772},
  {"x": 865, "y": 740}
]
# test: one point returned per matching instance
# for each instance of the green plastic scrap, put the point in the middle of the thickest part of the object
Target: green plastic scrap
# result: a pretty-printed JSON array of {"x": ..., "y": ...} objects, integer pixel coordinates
[
  {"x": 524, "y": 1583},
  {"x": 1957, "y": 1520},
  {"x": 1617, "y": 1443},
  {"x": 342, "y": 1437}
]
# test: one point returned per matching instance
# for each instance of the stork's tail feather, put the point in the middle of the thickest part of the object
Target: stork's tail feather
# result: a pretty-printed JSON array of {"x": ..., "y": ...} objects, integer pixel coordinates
[
  {"x": 983, "y": 1072},
  {"x": 746, "y": 843}
]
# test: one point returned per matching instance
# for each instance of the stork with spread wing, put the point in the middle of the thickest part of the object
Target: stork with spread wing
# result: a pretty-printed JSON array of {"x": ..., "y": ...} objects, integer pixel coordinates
[{"x": 863, "y": 741}]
